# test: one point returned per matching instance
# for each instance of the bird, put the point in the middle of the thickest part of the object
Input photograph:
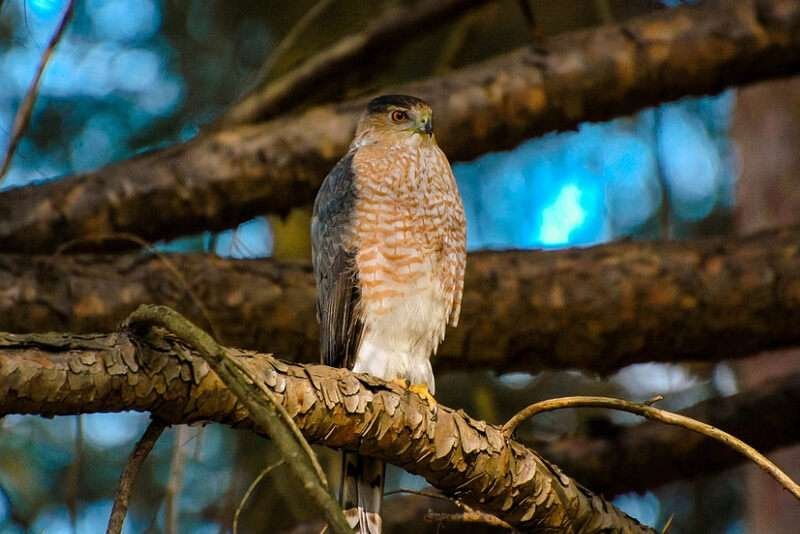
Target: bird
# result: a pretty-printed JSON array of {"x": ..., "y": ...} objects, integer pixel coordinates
[{"x": 388, "y": 239}]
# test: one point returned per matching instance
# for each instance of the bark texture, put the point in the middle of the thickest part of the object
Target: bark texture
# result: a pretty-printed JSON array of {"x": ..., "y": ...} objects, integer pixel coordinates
[
  {"x": 598, "y": 308},
  {"x": 227, "y": 176},
  {"x": 651, "y": 454},
  {"x": 52, "y": 374}
]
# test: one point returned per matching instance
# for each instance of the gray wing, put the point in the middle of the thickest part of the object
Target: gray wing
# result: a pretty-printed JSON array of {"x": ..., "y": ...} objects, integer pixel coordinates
[{"x": 333, "y": 256}]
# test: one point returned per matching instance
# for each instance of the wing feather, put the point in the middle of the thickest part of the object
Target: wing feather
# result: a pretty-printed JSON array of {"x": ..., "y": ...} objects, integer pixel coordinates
[{"x": 333, "y": 255}]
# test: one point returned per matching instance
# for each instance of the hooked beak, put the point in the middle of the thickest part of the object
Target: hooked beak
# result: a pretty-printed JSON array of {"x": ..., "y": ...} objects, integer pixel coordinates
[{"x": 425, "y": 125}]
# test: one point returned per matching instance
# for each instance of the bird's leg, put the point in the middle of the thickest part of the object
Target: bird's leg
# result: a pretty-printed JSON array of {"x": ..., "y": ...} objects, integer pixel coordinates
[{"x": 423, "y": 391}]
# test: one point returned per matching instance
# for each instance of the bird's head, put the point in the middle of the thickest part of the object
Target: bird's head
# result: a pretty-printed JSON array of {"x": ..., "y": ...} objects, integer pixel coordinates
[{"x": 396, "y": 118}]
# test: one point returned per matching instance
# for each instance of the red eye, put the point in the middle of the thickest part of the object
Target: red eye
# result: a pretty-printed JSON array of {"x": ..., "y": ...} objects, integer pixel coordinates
[{"x": 399, "y": 116}]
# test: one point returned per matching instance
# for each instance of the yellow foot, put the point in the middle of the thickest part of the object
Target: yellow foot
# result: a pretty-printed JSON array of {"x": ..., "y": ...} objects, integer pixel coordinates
[
  {"x": 422, "y": 391},
  {"x": 402, "y": 382}
]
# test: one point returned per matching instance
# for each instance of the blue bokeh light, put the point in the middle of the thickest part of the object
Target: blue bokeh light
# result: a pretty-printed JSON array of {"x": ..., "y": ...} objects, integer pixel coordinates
[
  {"x": 106, "y": 430},
  {"x": 92, "y": 517},
  {"x": 252, "y": 239},
  {"x": 564, "y": 215},
  {"x": 645, "y": 508},
  {"x": 125, "y": 20},
  {"x": 603, "y": 181},
  {"x": 690, "y": 161},
  {"x": 46, "y": 9}
]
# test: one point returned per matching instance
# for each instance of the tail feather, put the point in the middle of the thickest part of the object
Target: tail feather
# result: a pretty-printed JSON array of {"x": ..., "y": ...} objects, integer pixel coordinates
[{"x": 361, "y": 492}]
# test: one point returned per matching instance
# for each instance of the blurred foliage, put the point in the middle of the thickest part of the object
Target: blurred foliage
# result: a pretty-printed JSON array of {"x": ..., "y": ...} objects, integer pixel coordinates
[{"x": 132, "y": 75}]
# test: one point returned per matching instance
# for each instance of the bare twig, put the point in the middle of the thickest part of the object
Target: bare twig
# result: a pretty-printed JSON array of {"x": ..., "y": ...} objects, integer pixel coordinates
[
  {"x": 290, "y": 39},
  {"x": 659, "y": 415},
  {"x": 427, "y": 494},
  {"x": 391, "y": 29},
  {"x": 472, "y": 517},
  {"x": 260, "y": 402},
  {"x": 668, "y": 524},
  {"x": 469, "y": 514},
  {"x": 128, "y": 477},
  {"x": 74, "y": 475},
  {"x": 175, "y": 482},
  {"x": 25, "y": 110},
  {"x": 249, "y": 491},
  {"x": 455, "y": 41}
]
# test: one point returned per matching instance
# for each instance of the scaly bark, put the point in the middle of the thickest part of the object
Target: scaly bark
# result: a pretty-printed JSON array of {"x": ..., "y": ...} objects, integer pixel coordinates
[
  {"x": 57, "y": 374},
  {"x": 225, "y": 177},
  {"x": 648, "y": 455},
  {"x": 598, "y": 308}
]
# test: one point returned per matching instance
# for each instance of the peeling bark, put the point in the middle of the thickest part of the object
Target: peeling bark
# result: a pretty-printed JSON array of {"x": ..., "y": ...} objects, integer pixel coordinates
[
  {"x": 651, "y": 454},
  {"x": 597, "y": 308},
  {"x": 58, "y": 374},
  {"x": 227, "y": 176}
]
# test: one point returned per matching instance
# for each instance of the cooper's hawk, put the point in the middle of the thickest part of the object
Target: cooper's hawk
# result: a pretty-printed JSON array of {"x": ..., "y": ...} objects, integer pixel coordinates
[{"x": 388, "y": 246}]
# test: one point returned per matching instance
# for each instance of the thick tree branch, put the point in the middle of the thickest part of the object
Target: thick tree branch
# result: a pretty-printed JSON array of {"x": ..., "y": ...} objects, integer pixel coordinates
[
  {"x": 51, "y": 374},
  {"x": 227, "y": 176},
  {"x": 651, "y": 454},
  {"x": 598, "y": 308}
]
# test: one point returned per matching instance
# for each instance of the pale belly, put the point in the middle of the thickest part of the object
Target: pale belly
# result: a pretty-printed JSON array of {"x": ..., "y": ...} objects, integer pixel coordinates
[{"x": 401, "y": 335}]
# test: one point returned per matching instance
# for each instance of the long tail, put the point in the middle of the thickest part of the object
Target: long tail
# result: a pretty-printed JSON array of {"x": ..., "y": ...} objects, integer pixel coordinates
[{"x": 361, "y": 492}]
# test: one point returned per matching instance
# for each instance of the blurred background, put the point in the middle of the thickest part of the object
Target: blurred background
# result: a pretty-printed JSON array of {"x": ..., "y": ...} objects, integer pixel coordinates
[{"x": 133, "y": 75}]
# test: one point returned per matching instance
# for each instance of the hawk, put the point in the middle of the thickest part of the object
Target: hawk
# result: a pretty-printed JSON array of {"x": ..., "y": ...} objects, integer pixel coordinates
[{"x": 388, "y": 241}]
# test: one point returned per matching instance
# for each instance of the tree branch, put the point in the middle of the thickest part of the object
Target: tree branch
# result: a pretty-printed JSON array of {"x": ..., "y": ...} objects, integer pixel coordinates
[
  {"x": 49, "y": 374},
  {"x": 597, "y": 308},
  {"x": 227, "y": 176},
  {"x": 652, "y": 454}
]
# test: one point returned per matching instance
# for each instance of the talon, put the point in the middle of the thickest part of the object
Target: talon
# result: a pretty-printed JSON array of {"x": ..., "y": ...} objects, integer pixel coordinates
[{"x": 422, "y": 391}]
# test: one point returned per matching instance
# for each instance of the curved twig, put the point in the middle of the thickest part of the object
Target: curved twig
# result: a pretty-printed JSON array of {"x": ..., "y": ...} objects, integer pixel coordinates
[
  {"x": 264, "y": 472},
  {"x": 391, "y": 29},
  {"x": 288, "y": 41},
  {"x": 656, "y": 414}
]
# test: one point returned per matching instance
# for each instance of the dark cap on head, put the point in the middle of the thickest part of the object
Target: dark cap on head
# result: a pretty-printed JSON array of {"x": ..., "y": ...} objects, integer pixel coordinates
[{"x": 384, "y": 103}]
